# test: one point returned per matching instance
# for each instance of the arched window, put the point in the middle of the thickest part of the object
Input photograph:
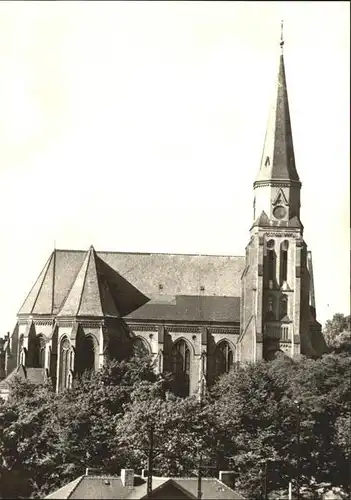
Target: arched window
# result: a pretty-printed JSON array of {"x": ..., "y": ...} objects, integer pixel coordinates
[
  {"x": 21, "y": 352},
  {"x": 283, "y": 306},
  {"x": 64, "y": 362},
  {"x": 87, "y": 354},
  {"x": 270, "y": 260},
  {"x": 223, "y": 358},
  {"x": 38, "y": 351},
  {"x": 181, "y": 367},
  {"x": 41, "y": 351},
  {"x": 284, "y": 261}
]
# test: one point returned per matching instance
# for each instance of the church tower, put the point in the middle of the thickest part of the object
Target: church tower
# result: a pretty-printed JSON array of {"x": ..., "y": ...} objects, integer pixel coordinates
[{"x": 275, "y": 315}]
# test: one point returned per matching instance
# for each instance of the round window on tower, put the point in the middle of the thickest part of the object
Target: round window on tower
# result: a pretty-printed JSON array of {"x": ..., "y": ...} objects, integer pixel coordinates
[{"x": 279, "y": 212}]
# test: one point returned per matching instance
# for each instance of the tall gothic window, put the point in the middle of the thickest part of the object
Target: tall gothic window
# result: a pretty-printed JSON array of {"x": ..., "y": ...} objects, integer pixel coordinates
[
  {"x": 284, "y": 261},
  {"x": 87, "y": 354},
  {"x": 271, "y": 260},
  {"x": 21, "y": 353},
  {"x": 38, "y": 351},
  {"x": 64, "y": 362},
  {"x": 223, "y": 358},
  {"x": 41, "y": 351},
  {"x": 181, "y": 368}
]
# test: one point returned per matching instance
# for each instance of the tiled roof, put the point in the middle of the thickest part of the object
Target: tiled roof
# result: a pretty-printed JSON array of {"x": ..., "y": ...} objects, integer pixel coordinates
[
  {"x": 211, "y": 488},
  {"x": 66, "y": 490},
  {"x": 278, "y": 159},
  {"x": 40, "y": 297},
  {"x": 34, "y": 375},
  {"x": 191, "y": 308},
  {"x": 93, "y": 289},
  {"x": 103, "y": 487},
  {"x": 77, "y": 282}
]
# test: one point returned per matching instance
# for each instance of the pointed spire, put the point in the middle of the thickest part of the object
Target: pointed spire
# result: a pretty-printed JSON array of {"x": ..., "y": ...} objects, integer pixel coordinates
[{"x": 278, "y": 159}]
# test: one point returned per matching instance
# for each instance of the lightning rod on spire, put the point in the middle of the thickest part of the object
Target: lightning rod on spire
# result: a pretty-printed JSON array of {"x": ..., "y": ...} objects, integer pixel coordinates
[{"x": 281, "y": 35}]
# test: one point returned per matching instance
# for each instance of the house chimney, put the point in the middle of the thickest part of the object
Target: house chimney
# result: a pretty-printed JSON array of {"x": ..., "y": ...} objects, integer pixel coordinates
[
  {"x": 92, "y": 471},
  {"x": 127, "y": 477},
  {"x": 227, "y": 477}
]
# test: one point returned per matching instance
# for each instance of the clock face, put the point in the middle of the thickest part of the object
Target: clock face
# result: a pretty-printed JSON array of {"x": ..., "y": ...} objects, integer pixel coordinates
[{"x": 279, "y": 212}]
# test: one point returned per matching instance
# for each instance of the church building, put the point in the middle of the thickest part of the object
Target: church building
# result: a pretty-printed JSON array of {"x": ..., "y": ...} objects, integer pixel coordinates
[{"x": 197, "y": 315}]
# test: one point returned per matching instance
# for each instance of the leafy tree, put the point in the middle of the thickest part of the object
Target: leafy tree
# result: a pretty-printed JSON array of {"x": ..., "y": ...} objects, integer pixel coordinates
[
  {"x": 257, "y": 403},
  {"x": 108, "y": 419},
  {"x": 48, "y": 439},
  {"x": 337, "y": 333},
  {"x": 170, "y": 431}
]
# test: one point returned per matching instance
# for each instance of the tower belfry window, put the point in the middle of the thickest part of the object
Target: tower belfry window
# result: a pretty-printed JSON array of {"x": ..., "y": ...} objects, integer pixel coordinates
[
  {"x": 271, "y": 260},
  {"x": 284, "y": 262}
]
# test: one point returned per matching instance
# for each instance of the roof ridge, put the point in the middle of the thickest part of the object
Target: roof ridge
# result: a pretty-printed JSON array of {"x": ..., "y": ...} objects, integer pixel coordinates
[
  {"x": 98, "y": 282},
  {"x": 85, "y": 278},
  {"x": 104, "y": 292},
  {"x": 128, "y": 252},
  {"x": 73, "y": 281},
  {"x": 75, "y": 486},
  {"x": 53, "y": 282}
]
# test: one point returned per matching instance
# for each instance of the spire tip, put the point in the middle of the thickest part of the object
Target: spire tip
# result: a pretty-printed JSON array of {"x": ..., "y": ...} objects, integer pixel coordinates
[{"x": 281, "y": 35}]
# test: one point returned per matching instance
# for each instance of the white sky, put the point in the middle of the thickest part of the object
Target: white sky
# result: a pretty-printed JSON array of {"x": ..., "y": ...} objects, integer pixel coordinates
[{"x": 139, "y": 126}]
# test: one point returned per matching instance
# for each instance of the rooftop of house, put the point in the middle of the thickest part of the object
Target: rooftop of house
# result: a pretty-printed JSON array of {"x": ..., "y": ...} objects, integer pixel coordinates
[
  {"x": 131, "y": 486},
  {"x": 33, "y": 375}
]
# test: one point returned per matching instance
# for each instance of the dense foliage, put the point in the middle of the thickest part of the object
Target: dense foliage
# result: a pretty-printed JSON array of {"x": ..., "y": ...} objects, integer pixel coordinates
[
  {"x": 247, "y": 423},
  {"x": 337, "y": 333}
]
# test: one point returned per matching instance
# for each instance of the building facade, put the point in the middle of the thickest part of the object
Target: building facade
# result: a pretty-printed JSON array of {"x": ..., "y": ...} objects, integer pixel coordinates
[{"x": 197, "y": 315}]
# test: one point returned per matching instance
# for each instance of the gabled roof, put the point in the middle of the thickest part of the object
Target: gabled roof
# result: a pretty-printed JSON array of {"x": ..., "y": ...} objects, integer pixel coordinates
[
  {"x": 66, "y": 490},
  {"x": 100, "y": 291},
  {"x": 262, "y": 220},
  {"x": 278, "y": 158},
  {"x": 111, "y": 487}
]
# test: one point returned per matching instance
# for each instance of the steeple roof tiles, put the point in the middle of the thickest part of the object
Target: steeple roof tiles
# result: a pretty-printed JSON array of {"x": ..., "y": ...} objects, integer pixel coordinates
[{"x": 278, "y": 159}]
